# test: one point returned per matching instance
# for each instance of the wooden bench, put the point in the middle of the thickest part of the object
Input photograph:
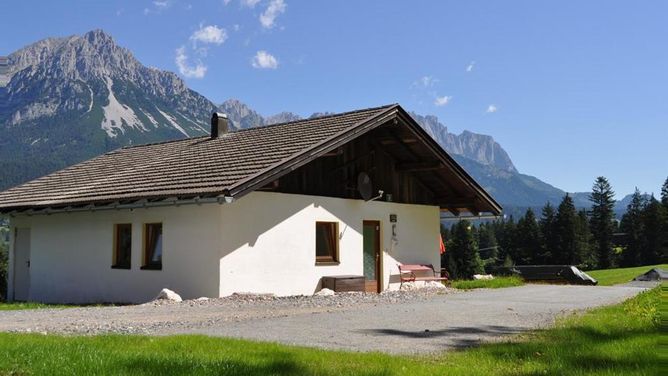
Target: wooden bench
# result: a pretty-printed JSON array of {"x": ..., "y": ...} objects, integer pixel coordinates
[{"x": 407, "y": 273}]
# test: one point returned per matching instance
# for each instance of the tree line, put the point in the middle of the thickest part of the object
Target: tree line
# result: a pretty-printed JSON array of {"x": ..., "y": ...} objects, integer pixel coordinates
[{"x": 564, "y": 235}]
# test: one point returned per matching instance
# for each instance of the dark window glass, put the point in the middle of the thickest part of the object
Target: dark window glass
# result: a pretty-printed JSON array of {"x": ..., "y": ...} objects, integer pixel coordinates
[
  {"x": 122, "y": 246},
  {"x": 326, "y": 242},
  {"x": 153, "y": 246}
]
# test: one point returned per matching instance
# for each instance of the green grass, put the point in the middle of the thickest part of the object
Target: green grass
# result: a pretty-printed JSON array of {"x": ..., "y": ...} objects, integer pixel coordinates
[
  {"x": 616, "y": 340},
  {"x": 608, "y": 277},
  {"x": 497, "y": 282},
  {"x": 4, "y": 306}
]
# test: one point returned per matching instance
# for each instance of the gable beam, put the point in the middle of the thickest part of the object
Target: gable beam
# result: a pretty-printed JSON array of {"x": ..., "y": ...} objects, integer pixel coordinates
[{"x": 418, "y": 166}]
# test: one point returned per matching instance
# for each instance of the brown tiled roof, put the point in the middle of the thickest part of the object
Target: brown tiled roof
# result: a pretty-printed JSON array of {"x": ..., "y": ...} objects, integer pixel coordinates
[{"x": 185, "y": 168}]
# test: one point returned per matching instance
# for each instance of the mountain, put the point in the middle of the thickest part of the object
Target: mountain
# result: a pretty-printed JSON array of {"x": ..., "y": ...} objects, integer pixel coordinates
[
  {"x": 68, "y": 99},
  {"x": 478, "y": 147},
  {"x": 64, "y": 100}
]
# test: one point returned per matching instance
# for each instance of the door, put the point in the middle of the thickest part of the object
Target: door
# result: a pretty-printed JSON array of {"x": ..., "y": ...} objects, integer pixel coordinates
[
  {"x": 371, "y": 251},
  {"x": 22, "y": 264}
]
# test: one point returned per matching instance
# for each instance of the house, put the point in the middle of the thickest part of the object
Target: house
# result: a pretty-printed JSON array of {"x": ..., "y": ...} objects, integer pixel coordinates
[{"x": 270, "y": 209}]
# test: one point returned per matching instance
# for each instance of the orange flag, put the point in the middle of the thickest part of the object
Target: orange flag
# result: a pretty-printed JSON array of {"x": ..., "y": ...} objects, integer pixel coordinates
[{"x": 442, "y": 251}]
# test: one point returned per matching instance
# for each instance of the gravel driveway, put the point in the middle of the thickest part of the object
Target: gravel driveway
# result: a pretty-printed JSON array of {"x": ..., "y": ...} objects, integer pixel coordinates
[{"x": 400, "y": 322}]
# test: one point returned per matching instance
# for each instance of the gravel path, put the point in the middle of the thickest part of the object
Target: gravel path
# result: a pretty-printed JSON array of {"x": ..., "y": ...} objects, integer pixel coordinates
[{"x": 399, "y": 322}]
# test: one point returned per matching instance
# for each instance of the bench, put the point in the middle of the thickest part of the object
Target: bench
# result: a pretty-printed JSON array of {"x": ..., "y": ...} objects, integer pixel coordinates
[{"x": 407, "y": 273}]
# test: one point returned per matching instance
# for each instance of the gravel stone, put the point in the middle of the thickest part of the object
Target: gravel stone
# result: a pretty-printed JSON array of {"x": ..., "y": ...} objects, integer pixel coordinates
[{"x": 415, "y": 321}]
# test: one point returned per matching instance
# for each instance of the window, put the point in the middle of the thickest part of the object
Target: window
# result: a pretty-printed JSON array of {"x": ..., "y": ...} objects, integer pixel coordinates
[
  {"x": 326, "y": 242},
  {"x": 152, "y": 246},
  {"x": 122, "y": 246}
]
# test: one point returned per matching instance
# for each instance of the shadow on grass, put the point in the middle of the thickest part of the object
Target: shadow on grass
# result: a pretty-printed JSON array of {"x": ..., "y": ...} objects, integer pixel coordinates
[
  {"x": 459, "y": 337},
  {"x": 582, "y": 349},
  {"x": 154, "y": 366}
]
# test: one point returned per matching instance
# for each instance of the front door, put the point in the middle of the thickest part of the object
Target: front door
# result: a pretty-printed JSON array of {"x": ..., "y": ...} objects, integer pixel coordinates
[
  {"x": 22, "y": 264},
  {"x": 371, "y": 250}
]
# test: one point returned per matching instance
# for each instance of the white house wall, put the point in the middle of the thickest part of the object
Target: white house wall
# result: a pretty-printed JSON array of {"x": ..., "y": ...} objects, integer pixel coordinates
[
  {"x": 269, "y": 241},
  {"x": 71, "y": 255},
  {"x": 261, "y": 243}
]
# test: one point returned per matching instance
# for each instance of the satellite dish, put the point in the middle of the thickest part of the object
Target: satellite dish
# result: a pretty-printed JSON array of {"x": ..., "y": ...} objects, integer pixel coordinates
[{"x": 364, "y": 186}]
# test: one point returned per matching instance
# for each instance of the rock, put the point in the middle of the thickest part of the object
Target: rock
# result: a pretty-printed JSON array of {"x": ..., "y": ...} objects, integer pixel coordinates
[
  {"x": 325, "y": 292},
  {"x": 434, "y": 285},
  {"x": 167, "y": 294},
  {"x": 202, "y": 299},
  {"x": 483, "y": 276}
]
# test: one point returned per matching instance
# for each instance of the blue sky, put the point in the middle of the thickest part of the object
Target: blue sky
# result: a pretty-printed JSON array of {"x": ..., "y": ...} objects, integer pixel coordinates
[{"x": 571, "y": 89}]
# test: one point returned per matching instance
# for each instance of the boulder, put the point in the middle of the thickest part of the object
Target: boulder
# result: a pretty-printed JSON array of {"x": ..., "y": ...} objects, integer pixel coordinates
[
  {"x": 483, "y": 276},
  {"x": 325, "y": 292},
  {"x": 167, "y": 294},
  {"x": 434, "y": 285}
]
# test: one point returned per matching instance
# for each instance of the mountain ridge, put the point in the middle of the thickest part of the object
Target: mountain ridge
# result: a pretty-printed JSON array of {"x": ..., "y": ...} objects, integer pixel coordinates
[{"x": 71, "y": 98}]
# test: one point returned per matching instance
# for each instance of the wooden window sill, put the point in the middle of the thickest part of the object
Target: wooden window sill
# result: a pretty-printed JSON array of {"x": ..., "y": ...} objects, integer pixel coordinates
[
  {"x": 326, "y": 263},
  {"x": 127, "y": 267},
  {"x": 151, "y": 267}
]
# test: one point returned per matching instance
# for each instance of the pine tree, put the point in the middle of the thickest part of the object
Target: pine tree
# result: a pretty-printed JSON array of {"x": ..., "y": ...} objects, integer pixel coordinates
[
  {"x": 528, "y": 239},
  {"x": 585, "y": 255},
  {"x": 505, "y": 235},
  {"x": 664, "y": 194},
  {"x": 601, "y": 220},
  {"x": 548, "y": 233},
  {"x": 664, "y": 221},
  {"x": 652, "y": 219},
  {"x": 488, "y": 246},
  {"x": 566, "y": 235},
  {"x": 632, "y": 226},
  {"x": 462, "y": 251}
]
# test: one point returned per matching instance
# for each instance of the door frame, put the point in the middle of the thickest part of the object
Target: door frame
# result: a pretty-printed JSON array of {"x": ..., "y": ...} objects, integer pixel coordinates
[
  {"x": 16, "y": 242},
  {"x": 377, "y": 252}
]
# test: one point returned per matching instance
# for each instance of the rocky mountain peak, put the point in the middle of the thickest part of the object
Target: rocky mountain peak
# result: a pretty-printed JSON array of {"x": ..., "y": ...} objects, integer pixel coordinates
[
  {"x": 282, "y": 117},
  {"x": 478, "y": 147},
  {"x": 99, "y": 37}
]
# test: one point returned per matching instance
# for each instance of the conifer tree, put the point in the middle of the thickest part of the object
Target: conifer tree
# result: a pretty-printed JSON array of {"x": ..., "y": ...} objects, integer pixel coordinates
[
  {"x": 664, "y": 221},
  {"x": 602, "y": 227},
  {"x": 527, "y": 238},
  {"x": 548, "y": 236},
  {"x": 632, "y": 226},
  {"x": 462, "y": 252},
  {"x": 586, "y": 257},
  {"x": 652, "y": 233},
  {"x": 664, "y": 194},
  {"x": 566, "y": 236},
  {"x": 505, "y": 236},
  {"x": 488, "y": 246}
]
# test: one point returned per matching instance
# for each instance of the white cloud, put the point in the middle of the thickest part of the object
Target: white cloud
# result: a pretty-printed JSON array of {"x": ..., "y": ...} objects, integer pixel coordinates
[
  {"x": 249, "y": 3},
  {"x": 209, "y": 34},
  {"x": 187, "y": 70},
  {"x": 162, "y": 3},
  {"x": 264, "y": 60},
  {"x": 226, "y": 1},
  {"x": 492, "y": 108},
  {"x": 158, "y": 6},
  {"x": 470, "y": 66},
  {"x": 425, "y": 82},
  {"x": 268, "y": 17},
  {"x": 442, "y": 101}
]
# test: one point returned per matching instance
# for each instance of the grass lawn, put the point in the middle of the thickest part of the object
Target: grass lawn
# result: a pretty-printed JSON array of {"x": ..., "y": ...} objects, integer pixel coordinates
[
  {"x": 20, "y": 305},
  {"x": 608, "y": 277},
  {"x": 616, "y": 340},
  {"x": 495, "y": 283}
]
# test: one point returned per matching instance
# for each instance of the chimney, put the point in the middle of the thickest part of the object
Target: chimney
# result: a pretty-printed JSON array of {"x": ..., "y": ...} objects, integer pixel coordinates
[{"x": 218, "y": 124}]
